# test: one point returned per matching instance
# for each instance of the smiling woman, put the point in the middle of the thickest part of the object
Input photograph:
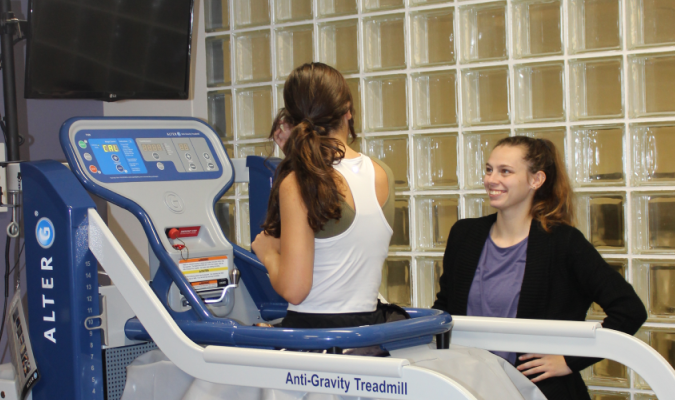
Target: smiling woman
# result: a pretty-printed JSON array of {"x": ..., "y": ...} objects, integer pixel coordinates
[{"x": 528, "y": 261}]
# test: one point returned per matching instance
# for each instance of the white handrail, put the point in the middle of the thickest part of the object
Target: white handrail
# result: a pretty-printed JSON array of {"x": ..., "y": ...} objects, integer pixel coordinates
[
  {"x": 254, "y": 367},
  {"x": 585, "y": 339}
]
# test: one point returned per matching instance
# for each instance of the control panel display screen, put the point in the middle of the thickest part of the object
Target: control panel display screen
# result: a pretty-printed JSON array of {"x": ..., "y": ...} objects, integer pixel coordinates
[
  {"x": 183, "y": 147},
  {"x": 111, "y": 148}
]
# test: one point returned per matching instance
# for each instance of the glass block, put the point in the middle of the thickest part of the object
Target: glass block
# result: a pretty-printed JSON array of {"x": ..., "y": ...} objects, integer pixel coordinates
[
  {"x": 384, "y": 42},
  {"x": 597, "y": 152},
  {"x": 400, "y": 240},
  {"x": 477, "y": 205},
  {"x": 253, "y": 56},
  {"x": 414, "y": 3},
  {"x": 218, "y": 72},
  {"x": 485, "y": 96},
  {"x": 220, "y": 113},
  {"x": 607, "y": 373},
  {"x": 434, "y": 102},
  {"x": 355, "y": 88},
  {"x": 650, "y": 23},
  {"x": 393, "y": 151},
  {"x": 217, "y": 15},
  {"x": 663, "y": 341},
  {"x": 396, "y": 284},
  {"x": 484, "y": 32},
  {"x": 653, "y": 222},
  {"x": 653, "y": 163},
  {"x": 557, "y": 135},
  {"x": 596, "y": 88},
  {"x": 295, "y": 46},
  {"x": 652, "y": 84},
  {"x": 340, "y": 38},
  {"x": 263, "y": 149},
  {"x": 280, "y": 97},
  {"x": 244, "y": 225},
  {"x": 606, "y": 395},
  {"x": 433, "y": 39},
  {"x": 596, "y": 312},
  {"x": 226, "y": 216},
  {"x": 655, "y": 284},
  {"x": 539, "y": 92},
  {"x": 595, "y": 25},
  {"x": 331, "y": 8},
  {"x": 429, "y": 270},
  {"x": 386, "y": 103},
  {"x": 436, "y": 161},
  {"x": 477, "y": 149},
  {"x": 251, "y": 13},
  {"x": 435, "y": 216},
  {"x": 254, "y": 112},
  {"x": 601, "y": 217},
  {"x": 293, "y": 10},
  {"x": 537, "y": 28},
  {"x": 644, "y": 396},
  {"x": 375, "y": 5}
]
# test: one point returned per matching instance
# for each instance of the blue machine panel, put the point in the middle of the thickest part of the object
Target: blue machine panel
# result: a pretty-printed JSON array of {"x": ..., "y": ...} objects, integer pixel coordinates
[
  {"x": 115, "y": 155},
  {"x": 62, "y": 283}
]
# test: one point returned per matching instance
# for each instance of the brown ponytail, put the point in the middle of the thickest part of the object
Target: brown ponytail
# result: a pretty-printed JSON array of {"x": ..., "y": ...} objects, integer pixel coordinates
[
  {"x": 553, "y": 201},
  {"x": 316, "y": 98}
]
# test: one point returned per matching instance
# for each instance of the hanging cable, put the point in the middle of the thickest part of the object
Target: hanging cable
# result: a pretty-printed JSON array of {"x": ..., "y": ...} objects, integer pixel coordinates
[{"x": 4, "y": 307}]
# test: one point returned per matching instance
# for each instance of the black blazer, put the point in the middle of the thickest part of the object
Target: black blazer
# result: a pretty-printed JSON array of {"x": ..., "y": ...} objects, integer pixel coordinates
[{"x": 564, "y": 274}]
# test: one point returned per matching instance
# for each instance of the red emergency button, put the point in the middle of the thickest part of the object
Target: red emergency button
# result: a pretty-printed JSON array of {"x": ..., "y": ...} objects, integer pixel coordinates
[
  {"x": 93, "y": 169},
  {"x": 188, "y": 231}
]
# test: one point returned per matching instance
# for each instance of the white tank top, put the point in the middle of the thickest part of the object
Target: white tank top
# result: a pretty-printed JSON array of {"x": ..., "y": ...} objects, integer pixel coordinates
[{"x": 348, "y": 267}]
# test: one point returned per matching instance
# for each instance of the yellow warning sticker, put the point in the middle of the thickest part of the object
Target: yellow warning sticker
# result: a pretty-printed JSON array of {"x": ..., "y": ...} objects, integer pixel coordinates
[{"x": 197, "y": 270}]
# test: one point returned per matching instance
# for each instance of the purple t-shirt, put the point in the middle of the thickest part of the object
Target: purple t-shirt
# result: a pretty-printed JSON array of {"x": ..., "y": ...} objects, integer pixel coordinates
[{"x": 495, "y": 290}]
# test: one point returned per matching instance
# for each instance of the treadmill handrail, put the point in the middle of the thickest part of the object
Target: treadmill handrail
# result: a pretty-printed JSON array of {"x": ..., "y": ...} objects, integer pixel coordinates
[
  {"x": 424, "y": 324},
  {"x": 572, "y": 338}
]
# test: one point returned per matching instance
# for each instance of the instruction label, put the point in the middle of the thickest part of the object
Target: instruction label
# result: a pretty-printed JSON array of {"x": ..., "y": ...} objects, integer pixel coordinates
[{"x": 206, "y": 273}]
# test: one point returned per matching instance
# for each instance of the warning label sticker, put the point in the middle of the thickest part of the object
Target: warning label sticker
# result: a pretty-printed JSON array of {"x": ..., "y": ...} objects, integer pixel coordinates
[{"x": 207, "y": 272}]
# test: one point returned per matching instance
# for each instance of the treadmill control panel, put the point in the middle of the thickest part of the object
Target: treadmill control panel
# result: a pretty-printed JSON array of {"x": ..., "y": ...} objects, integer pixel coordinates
[{"x": 147, "y": 155}]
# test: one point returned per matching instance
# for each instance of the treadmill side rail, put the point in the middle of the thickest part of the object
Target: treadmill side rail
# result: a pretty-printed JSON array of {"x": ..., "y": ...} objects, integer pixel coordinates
[{"x": 585, "y": 339}]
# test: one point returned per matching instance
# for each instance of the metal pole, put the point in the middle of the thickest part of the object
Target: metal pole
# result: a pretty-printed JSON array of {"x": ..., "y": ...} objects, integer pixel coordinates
[{"x": 9, "y": 82}]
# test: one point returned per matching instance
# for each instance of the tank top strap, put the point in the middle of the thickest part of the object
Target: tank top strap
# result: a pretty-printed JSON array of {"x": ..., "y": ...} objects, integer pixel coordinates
[{"x": 359, "y": 173}]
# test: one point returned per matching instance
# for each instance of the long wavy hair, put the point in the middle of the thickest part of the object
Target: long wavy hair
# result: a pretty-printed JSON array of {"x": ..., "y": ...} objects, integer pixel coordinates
[
  {"x": 553, "y": 202},
  {"x": 316, "y": 98}
]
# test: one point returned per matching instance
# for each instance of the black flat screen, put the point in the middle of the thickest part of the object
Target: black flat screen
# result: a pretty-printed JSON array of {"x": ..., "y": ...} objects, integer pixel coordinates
[{"x": 109, "y": 49}]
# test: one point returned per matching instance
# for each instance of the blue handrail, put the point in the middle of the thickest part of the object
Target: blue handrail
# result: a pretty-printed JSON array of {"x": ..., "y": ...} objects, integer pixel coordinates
[{"x": 422, "y": 326}]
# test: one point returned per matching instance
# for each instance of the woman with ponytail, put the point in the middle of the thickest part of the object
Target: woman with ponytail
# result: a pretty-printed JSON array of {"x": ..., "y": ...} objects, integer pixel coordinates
[
  {"x": 330, "y": 211},
  {"x": 528, "y": 261}
]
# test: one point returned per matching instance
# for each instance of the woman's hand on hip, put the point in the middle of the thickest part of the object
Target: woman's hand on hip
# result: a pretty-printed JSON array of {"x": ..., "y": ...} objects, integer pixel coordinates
[{"x": 545, "y": 364}]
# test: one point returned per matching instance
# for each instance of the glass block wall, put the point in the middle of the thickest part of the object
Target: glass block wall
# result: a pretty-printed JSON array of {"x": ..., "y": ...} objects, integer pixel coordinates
[{"x": 437, "y": 83}]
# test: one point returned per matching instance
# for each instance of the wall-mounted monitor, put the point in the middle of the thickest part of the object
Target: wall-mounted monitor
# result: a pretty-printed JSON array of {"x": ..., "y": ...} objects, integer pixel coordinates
[{"x": 109, "y": 49}]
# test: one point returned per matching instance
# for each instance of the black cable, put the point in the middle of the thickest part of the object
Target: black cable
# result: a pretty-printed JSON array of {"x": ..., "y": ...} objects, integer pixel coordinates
[
  {"x": 4, "y": 307},
  {"x": 18, "y": 258}
]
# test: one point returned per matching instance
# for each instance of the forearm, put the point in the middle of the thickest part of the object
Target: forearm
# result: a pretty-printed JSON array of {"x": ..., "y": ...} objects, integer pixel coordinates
[{"x": 290, "y": 285}]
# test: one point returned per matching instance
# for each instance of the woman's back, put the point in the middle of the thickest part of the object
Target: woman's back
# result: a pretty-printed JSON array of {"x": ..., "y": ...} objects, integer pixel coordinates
[{"x": 347, "y": 267}]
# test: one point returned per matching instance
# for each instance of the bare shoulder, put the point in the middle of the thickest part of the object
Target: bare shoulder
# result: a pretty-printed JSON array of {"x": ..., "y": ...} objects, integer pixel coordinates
[
  {"x": 290, "y": 197},
  {"x": 289, "y": 185},
  {"x": 382, "y": 178}
]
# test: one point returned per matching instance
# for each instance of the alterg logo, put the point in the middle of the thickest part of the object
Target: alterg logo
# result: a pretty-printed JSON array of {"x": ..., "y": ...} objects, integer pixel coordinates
[{"x": 44, "y": 232}]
